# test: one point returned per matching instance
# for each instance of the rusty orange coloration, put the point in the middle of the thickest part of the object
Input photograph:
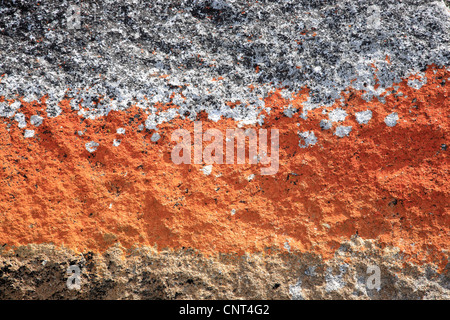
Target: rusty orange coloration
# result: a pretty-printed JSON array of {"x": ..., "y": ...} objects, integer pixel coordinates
[{"x": 380, "y": 182}]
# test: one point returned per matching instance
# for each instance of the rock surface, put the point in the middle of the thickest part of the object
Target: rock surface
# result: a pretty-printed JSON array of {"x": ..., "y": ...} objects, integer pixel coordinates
[
  {"x": 91, "y": 93},
  {"x": 40, "y": 272}
]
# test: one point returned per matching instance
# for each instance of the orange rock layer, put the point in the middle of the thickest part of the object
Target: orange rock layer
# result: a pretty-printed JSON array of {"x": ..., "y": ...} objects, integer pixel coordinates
[{"x": 380, "y": 182}]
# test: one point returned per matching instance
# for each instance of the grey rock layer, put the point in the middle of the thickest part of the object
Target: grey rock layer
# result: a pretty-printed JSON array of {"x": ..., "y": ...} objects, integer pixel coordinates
[{"x": 118, "y": 51}]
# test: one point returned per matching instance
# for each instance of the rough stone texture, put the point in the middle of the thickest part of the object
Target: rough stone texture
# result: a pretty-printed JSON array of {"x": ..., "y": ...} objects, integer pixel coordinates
[
  {"x": 40, "y": 272},
  {"x": 120, "y": 51},
  {"x": 359, "y": 92}
]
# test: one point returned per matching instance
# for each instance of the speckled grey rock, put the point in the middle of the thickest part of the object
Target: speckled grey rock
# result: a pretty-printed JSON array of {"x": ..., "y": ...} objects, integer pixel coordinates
[{"x": 120, "y": 50}]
